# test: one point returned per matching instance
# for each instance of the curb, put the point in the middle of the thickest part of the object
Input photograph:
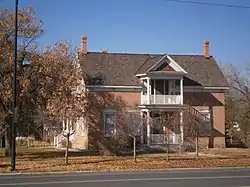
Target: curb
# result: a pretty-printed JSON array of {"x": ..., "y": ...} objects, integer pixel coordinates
[{"x": 127, "y": 171}]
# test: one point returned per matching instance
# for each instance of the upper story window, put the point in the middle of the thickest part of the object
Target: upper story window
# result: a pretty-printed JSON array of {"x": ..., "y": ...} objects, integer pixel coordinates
[{"x": 177, "y": 83}]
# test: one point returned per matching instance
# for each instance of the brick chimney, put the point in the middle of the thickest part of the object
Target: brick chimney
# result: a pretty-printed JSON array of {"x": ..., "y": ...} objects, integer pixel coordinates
[
  {"x": 104, "y": 51},
  {"x": 84, "y": 45},
  {"x": 206, "y": 49}
]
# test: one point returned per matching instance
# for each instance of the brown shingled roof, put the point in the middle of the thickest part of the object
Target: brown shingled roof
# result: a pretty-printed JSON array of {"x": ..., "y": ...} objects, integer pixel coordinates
[{"x": 121, "y": 68}]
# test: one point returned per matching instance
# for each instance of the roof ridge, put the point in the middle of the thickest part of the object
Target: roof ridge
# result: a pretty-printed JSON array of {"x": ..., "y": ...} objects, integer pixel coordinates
[
  {"x": 148, "y": 54},
  {"x": 124, "y": 53}
]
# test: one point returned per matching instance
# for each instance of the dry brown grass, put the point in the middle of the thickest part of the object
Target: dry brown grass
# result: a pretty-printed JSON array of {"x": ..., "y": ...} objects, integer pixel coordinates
[
  {"x": 119, "y": 164},
  {"x": 49, "y": 160},
  {"x": 229, "y": 152}
]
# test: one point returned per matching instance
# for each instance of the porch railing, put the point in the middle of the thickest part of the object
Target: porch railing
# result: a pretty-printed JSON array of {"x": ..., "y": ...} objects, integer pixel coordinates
[
  {"x": 163, "y": 139},
  {"x": 161, "y": 99},
  {"x": 204, "y": 122}
]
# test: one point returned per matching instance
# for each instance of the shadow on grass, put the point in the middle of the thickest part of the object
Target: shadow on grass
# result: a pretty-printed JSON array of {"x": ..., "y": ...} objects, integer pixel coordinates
[
  {"x": 56, "y": 154},
  {"x": 4, "y": 165}
]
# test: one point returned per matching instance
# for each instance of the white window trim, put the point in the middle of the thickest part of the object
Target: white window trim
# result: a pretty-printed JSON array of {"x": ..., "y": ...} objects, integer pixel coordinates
[
  {"x": 105, "y": 112},
  {"x": 206, "y": 112}
]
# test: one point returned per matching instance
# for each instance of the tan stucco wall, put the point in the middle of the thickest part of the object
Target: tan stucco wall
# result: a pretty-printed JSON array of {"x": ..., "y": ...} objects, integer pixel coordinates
[{"x": 80, "y": 137}]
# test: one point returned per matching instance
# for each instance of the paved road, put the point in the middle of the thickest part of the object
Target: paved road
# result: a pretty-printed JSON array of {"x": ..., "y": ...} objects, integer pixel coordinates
[{"x": 186, "y": 178}]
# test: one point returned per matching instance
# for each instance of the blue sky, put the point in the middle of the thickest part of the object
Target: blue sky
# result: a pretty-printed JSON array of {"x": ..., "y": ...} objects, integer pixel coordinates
[{"x": 147, "y": 26}]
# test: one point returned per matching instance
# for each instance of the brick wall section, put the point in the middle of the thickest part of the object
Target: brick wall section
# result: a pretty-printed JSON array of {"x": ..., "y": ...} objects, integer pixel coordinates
[
  {"x": 130, "y": 99},
  {"x": 214, "y": 101},
  {"x": 219, "y": 121},
  {"x": 98, "y": 101}
]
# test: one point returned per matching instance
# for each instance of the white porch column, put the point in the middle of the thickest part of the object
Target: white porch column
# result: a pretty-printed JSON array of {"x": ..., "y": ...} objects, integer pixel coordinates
[
  {"x": 165, "y": 134},
  {"x": 148, "y": 128},
  {"x": 148, "y": 90},
  {"x": 142, "y": 92},
  {"x": 181, "y": 128},
  {"x": 154, "y": 92},
  {"x": 67, "y": 125},
  {"x": 164, "y": 92},
  {"x": 181, "y": 90},
  {"x": 63, "y": 125},
  {"x": 142, "y": 128}
]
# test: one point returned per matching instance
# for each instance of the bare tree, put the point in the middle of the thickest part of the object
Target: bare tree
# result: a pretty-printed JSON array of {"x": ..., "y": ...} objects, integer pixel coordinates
[
  {"x": 29, "y": 29},
  {"x": 170, "y": 122},
  {"x": 131, "y": 124},
  {"x": 238, "y": 100},
  {"x": 49, "y": 82},
  {"x": 195, "y": 125}
]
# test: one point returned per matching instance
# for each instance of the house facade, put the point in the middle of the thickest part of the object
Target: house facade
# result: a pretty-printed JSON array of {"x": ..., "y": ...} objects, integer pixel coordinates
[{"x": 152, "y": 84}]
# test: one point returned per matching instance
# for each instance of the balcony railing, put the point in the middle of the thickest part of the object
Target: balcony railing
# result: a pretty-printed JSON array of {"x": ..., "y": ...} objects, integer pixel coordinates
[{"x": 161, "y": 99}]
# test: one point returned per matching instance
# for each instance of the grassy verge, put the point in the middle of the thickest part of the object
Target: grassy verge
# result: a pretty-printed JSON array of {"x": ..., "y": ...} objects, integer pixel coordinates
[
  {"x": 49, "y": 160},
  {"x": 229, "y": 152}
]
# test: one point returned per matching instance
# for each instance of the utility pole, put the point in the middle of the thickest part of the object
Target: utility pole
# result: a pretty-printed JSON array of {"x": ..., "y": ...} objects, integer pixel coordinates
[{"x": 14, "y": 115}]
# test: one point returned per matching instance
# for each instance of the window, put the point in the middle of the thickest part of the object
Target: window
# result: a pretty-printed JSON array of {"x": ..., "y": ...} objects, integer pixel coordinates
[
  {"x": 109, "y": 119},
  {"x": 205, "y": 128},
  {"x": 206, "y": 113},
  {"x": 174, "y": 87},
  {"x": 135, "y": 119}
]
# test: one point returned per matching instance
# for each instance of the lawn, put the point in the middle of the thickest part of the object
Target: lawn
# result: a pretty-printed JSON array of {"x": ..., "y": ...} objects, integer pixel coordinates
[
  {"x": 48, "y": 159},
  {"x": 229, "y": 152}
]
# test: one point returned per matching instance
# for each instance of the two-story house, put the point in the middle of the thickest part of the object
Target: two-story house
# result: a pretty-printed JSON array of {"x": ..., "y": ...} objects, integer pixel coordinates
[{"x": 150, "y": 83}]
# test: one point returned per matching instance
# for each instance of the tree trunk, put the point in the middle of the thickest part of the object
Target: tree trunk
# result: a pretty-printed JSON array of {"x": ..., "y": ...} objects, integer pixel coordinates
[
  {"x": 245, "y": 137},
  {"x": 197, "y": 146},
  {"x": 3, "y": 141},
  {"x": 67, "y": 150},
  {"x": 134, "y": 148},
  {"x": 167, "y": 154},
  {"x": 28, "y": 142},
  {"x": 8, "y": 141},
  {"x": 231, "y": 139}
]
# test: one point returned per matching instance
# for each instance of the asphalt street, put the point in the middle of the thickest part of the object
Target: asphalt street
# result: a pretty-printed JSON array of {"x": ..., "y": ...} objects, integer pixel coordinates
[{"x": 187, "y": 178}]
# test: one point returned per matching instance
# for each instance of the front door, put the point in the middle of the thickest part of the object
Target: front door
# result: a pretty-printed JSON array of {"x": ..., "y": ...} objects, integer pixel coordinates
[{"x": 157, "y": 131}]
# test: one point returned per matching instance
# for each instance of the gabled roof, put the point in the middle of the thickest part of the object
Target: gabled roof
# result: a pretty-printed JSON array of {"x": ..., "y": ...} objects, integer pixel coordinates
[
  {"x": 166, "y": 60},
  {"x": 121, "y": 68}
]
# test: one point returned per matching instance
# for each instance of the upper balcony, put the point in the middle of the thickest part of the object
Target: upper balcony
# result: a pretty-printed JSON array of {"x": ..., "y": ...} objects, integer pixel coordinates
[
  {"x": 162, "y": 92},
  {"x": 161, "y": 100}
]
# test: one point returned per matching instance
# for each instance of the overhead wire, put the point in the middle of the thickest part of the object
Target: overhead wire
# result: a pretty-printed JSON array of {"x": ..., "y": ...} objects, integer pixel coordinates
[{"x": 210, "y": 4}]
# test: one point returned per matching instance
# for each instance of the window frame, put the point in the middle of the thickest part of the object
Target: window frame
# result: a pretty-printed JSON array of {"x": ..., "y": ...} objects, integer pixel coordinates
[
  {"x": 205, "y": 112},
  {"x": 109, "y": 112}
]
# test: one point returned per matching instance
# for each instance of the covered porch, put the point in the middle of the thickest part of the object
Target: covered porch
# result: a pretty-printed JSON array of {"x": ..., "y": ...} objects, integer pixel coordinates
[{"x": 162, "y": 127}]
